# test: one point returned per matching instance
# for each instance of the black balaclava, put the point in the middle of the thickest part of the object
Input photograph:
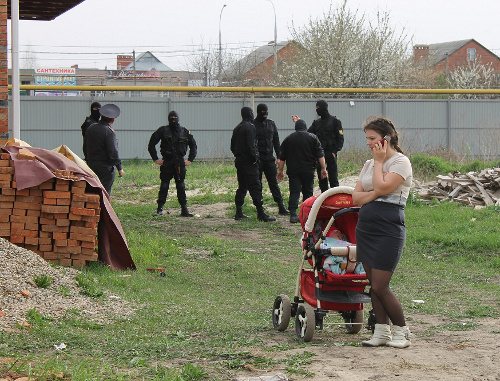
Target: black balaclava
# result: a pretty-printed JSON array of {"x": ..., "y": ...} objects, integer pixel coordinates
[
  {"x": 261, "y": 112},
  {"x": 300, "y": 125},
  {"x": 94, "y": 110},
  {"x": 322, "y": 108},
  {"x": 247, "y": 113},
  {"x": 173, "y": 119}
]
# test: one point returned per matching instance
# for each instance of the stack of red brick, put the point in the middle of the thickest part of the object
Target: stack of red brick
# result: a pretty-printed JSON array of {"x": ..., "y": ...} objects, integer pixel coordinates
[{"x": 56, "y": 219}]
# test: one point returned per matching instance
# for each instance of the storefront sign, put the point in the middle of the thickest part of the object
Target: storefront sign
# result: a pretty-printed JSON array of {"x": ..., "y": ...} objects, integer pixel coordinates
[
  {"x": 129, "y": 74},
  {"x": 55, "y": 77}
]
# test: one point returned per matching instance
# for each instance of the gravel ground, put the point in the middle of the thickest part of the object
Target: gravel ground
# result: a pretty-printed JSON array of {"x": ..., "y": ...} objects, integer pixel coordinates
[{"x": 19, "y": 293}]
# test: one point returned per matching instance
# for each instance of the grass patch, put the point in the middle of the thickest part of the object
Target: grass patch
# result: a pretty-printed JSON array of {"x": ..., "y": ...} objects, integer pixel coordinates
[
  {"x": 210, "y": 316},
  {"x": 88, "y": 285},
  {"x": 427, "y": 166}
]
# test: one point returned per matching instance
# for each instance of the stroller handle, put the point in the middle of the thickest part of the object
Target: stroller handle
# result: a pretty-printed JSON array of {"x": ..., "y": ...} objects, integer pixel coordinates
[
  {"x": 352, "y": 209},
  {"x": 311, "y": 219}
]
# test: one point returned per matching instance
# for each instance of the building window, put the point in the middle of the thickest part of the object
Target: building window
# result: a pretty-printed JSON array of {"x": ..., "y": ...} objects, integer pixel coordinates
[
  {"x": 24, "y": 92},
  {"x": 133, "y": 94},
  {"x": 471, "y": 54}
]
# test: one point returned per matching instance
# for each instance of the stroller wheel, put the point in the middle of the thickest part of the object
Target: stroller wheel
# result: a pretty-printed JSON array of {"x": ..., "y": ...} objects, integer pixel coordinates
[
  {"x": 353, "y": 317},
  {"x": 305, "y": 321},
  {"x": 281, "y": 312}
]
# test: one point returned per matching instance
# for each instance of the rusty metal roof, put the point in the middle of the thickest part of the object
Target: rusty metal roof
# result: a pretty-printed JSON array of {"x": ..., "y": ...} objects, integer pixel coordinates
[{"x": 43, "y": 9}]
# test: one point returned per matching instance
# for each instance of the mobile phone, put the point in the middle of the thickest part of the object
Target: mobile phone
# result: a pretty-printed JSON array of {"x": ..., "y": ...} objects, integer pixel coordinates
[{"x": 386, "y": 138}]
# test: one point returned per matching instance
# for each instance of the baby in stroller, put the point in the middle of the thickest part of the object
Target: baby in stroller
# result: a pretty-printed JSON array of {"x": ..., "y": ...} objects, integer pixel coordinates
[{"x": 336, "y": 264}]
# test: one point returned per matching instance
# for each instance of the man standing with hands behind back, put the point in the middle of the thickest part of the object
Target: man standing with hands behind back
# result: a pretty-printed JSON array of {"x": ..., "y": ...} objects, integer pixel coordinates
[
  {"x": 329, "y": 131},
  {"x": 175, "y": 141},
  {"x": 101, "y": 147},
  {"x": 267, "y": 141},
  {"x": 244, "y": 149},
  {"x": 301, "y": 151}
]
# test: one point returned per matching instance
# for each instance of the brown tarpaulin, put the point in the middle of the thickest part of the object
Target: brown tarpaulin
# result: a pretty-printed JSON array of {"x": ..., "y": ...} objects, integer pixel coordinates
[{"x": 113, "y": 247}]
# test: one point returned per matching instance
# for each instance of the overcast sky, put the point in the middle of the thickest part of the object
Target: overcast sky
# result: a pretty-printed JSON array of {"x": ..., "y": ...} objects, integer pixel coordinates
[{"x": 94, "y": 32}]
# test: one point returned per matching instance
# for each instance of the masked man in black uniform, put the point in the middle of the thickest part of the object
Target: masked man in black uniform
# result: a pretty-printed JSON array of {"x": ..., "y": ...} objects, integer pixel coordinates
[
  {"x": 91, "y": 119},
  {"x": 101, "y": 147},
  {"x": 244, "y": 149},
  {"x": 267, "y": 140},
  {"x": 301, "y": 151},
  {"x": 329, "y": 131},
  {"x": 175, "y": 141}
]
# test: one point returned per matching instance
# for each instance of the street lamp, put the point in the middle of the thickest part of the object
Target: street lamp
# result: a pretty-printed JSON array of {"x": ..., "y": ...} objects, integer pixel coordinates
[
  {"x": 275, "y": 40},
  {"x": 220, "y": 45}
]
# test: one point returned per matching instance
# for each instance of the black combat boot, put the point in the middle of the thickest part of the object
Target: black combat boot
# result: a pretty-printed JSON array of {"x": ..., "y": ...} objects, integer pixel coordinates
[
  {"x": 262, "y": 216},
  {"x": 239, "y": 213},
  {"x": 293, "y": 217},
  {"x": 159, "y": 211},
  {"x": 185, "y": 211},
  {"x": 283, "y": 211}
]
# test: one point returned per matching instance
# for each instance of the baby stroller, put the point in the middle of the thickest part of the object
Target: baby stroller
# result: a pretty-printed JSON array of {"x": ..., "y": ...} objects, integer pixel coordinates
[{"x": 329, "y": 278}]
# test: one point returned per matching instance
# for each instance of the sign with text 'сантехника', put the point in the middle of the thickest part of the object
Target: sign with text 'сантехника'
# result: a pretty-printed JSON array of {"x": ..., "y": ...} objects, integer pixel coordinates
[{"x": 55, "y": 77}]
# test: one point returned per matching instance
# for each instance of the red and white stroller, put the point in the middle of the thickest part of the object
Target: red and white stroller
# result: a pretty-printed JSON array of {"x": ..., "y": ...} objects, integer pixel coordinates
[{"x": 329, "y": 277}]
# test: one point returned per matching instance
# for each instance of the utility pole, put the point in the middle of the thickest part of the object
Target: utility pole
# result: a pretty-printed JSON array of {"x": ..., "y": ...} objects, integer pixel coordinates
[
  {"x": 447, "y": 68},
  {"x": 275, "y": 41},
  {"x": 16, "y": 97},
  {"x": 133, "y": 60},
  {"x": 220, "y": 47}
]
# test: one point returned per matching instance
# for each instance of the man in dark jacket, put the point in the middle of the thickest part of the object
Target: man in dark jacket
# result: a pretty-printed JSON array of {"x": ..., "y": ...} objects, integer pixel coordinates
[
  {"x": 331, "y": 135},
  {"x": 267, "y": 140},
  {"x": 301, "y": 151},
  {"x": 91, "y": 119},
  {"x": 175, "y": 141},
  {"x": 101, "y": 147},
  {"x": 244, "y": 149}
]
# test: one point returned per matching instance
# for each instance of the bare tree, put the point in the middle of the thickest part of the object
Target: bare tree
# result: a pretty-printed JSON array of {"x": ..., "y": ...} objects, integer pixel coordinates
[
  {"x": 212, "y": 62},
  {"x": 345, "y": 49},
  {"x": 29, "y": 58},
  {"x": 204, "y": 60},
  {"x": 243, "y": 68}
]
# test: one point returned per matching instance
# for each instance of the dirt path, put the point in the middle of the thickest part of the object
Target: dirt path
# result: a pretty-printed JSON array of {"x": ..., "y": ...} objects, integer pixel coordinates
[
  {"x": 435, "y": 353},
  {"x": 444, "y": 355}
]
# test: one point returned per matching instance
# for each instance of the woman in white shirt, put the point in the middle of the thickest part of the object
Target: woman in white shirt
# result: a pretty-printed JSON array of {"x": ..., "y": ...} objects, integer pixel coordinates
[{"x": 381, "y": 191}]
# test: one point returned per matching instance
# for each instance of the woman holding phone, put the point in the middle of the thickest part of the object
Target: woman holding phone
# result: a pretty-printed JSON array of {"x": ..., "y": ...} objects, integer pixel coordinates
[{"x": 381, "y": 191}]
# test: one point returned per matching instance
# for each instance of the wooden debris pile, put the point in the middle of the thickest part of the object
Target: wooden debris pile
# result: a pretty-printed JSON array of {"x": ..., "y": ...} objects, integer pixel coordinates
[
  {"x": 57, "y": 219},
  {"x": 473, "y": 188}
]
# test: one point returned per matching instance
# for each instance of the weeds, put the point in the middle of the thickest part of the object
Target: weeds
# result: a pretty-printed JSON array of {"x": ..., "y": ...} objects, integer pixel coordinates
[
  {"x": 43, "y": 281},
  {"x": 37, "y": 319},
  {"x": 427, "y": 167},
  {"x": 64, "y": 291},
  {"x": 296, "y": 362},
  {"x": 88, "y": 285}
]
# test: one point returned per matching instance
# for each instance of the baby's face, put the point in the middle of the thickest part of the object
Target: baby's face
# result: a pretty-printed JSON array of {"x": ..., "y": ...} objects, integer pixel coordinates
[{"x": 337, "y": 234}]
